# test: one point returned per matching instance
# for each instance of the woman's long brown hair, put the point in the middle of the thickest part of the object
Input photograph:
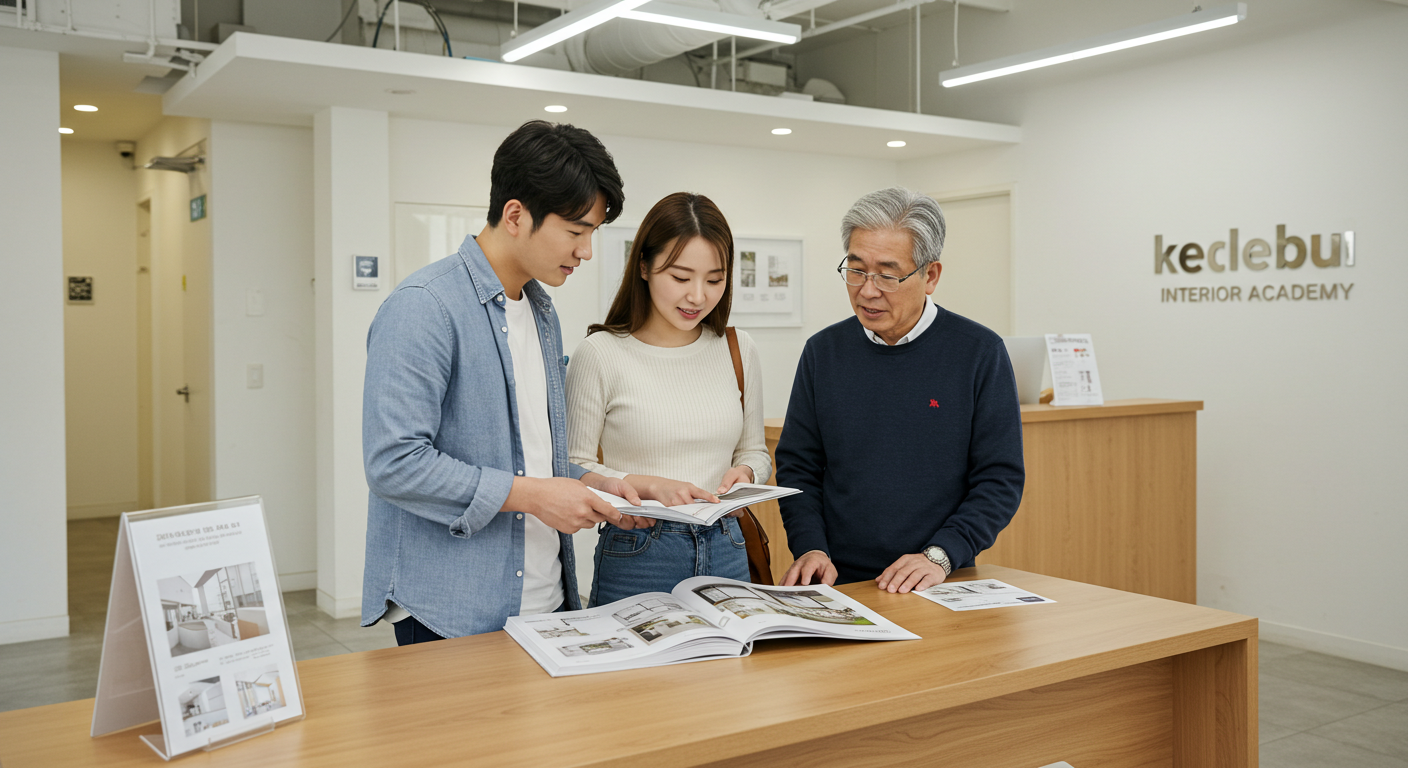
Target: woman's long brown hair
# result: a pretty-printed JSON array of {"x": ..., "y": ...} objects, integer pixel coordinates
[{"x": 674, "y": 222}]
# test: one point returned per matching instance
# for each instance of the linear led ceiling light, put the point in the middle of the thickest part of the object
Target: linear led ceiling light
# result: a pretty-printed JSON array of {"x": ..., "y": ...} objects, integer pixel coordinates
[
  {"x": 716, "y": 21},
  {"x": 1197, "y": 21},
  {"x": 567, "y": 25}
]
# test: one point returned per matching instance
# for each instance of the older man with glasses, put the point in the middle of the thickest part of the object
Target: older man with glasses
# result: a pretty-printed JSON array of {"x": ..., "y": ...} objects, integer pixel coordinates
[{"x": 903, "y": 428}]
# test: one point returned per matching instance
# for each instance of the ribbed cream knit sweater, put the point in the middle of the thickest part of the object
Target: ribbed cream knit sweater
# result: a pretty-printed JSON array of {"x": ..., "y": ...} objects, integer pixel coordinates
[{"x": 665, "y": 411}]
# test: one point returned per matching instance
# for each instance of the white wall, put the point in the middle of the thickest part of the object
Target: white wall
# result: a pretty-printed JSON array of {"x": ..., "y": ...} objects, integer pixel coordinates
[
  {"x": 100, "y": 339},
  {"x": 33, "y": 558},
  {"x": 262, "y": 232},
  {"x": 763, "y": 193},
  {"x": 177, "y": 590},
  {"x": 1301, "y": 519}
]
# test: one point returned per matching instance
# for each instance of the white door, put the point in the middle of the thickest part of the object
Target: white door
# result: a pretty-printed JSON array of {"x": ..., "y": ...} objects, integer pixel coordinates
[
  {"x": 181, "y": 332},
  {"x": 977, "y": 259},
  {"x": 168, "y": 343},
  {"x": 197, "y": 252},
  {"x": 145, "y": 401}
]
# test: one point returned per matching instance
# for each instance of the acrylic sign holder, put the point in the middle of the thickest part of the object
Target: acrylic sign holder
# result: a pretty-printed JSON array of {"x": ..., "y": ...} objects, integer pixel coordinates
[{"x": 129, "y": 690}]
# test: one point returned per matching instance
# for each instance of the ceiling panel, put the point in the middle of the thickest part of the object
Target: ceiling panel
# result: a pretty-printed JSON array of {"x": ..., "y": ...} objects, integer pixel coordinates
[{"x": 256, "y": 78}]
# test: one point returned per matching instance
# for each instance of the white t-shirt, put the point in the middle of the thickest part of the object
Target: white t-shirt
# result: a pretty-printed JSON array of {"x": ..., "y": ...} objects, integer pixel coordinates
[{"x": 542, "y": 571}]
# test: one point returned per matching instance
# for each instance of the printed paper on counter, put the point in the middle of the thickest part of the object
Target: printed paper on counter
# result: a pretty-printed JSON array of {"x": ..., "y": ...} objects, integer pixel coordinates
[
  {"x": 980, "y": 594},
  {"x": 1075, "y": 380}
]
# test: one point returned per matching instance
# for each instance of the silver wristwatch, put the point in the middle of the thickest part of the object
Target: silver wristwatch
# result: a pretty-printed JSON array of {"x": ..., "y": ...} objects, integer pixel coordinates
[{"x": 939, "y": 557}]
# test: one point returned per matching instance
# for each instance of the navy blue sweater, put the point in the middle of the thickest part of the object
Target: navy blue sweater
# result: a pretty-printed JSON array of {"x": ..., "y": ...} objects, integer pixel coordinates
[{"x": 899, "y": 448}]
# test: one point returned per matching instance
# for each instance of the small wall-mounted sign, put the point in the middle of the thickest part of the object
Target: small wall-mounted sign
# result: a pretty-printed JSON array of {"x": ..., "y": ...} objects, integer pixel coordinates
[
  {"x": 366, "y": 273},
  {"x": 80, "y": 290},
  {"x": 197, "y": 208}
]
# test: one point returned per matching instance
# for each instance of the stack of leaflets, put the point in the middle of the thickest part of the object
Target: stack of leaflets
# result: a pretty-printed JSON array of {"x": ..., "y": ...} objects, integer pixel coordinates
[
  {"x": 703, "y": 618},
  {"x": 700, "y": 513}
]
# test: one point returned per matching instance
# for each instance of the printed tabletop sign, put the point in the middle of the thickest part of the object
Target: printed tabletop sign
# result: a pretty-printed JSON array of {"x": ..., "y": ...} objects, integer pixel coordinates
[
  {"x": 196, "y": 634},
  {"x": 1075, "y": 380}
]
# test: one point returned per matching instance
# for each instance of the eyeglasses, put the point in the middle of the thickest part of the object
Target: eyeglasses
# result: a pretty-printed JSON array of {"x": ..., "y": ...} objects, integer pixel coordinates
[{"x": 887, "y": 283}]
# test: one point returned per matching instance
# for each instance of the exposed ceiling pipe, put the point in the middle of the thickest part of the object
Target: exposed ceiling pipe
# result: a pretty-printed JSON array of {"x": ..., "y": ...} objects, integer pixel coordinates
[
  {"x": 622, "y": 46},
  {"x": 855, "y": 20},
  {"x": 999, "y": 6}
]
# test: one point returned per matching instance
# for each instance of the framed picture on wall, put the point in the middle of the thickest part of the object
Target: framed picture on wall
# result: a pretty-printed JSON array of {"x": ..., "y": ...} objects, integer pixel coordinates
[
  {"x": 767, "y": 282},
  {"x": 80, "y": 290}
]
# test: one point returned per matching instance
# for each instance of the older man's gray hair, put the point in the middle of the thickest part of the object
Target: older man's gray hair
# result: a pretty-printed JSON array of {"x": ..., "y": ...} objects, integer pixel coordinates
[{"x": 902, "y": 210}]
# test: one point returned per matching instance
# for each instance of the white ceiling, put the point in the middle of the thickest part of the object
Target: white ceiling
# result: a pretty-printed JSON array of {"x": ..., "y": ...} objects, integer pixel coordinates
[
  {"x": 257, "y": 78},
  {"x": 91, "y": 71},
  {"x": 107, "y": 84}
]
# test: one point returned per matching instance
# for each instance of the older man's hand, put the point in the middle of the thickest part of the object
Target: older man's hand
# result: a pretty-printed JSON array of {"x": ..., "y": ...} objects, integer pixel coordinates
[
  {"x": 813, "y": 567},
  {"x": 910, "y": 573}
]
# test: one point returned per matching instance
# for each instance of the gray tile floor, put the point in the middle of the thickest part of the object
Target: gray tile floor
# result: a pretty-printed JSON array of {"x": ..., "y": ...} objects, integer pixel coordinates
[{"x": 1317, "y": 711}]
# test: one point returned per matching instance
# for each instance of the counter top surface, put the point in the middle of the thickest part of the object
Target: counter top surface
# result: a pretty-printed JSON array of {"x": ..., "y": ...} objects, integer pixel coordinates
[
  {"x": 483, "y": 699},
  {"x": 1143, "y": 406}
]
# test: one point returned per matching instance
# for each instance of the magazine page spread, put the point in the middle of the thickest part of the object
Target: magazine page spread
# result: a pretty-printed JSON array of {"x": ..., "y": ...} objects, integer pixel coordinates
[
  {"x": 700, "y": 513},
  {"x": 646, "y": 630},
  {"x": 218, "y": 637},
  {"x": 751, "y": 611},
  {"x": 705, "y": 617}
]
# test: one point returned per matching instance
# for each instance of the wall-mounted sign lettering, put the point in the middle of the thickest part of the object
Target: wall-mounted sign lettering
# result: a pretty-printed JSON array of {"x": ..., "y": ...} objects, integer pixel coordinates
[
  {"x": 197, "y": 208},
  {"x": 1250, "y": 293},
  {"x": 1291, "y": 252},
  {"x": 1256, "y": 254}
]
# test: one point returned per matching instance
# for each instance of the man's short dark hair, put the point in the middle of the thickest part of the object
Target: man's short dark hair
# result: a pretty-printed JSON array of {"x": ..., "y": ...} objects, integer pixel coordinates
[{"x": 553, "y": 168}]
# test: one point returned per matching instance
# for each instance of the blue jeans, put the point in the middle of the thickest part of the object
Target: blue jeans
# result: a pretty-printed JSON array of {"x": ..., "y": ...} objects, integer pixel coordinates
[{"x": 655, "y": 559}]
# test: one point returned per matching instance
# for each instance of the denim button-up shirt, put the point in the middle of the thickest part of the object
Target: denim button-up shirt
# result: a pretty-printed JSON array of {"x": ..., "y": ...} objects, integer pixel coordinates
[{"x": 441, "y": 446}]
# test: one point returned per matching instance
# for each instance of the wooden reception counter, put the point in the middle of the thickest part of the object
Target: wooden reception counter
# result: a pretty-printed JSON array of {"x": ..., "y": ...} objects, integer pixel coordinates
[
  {"x": 1100, "y": 679},
  {"x": 1111, "y": 497}
]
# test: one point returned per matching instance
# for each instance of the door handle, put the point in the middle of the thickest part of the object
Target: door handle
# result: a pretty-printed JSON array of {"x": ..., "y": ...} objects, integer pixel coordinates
[{"x": 185, "y": 392}]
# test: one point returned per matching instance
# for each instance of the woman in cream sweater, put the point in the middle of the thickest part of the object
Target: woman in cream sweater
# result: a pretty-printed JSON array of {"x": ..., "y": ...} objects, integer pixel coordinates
[{"x": 653, "y": 387}]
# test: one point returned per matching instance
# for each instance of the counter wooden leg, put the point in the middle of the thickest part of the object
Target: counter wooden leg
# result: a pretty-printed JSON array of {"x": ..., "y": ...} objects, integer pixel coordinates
[{"x": 1215, "y": 707}]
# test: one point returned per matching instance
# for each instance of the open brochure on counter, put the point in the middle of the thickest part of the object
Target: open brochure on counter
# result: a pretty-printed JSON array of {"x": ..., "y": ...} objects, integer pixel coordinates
[
  {"x": 703, "y": 512},
  {"x": 979, "y": 594},
  {"x": 702, "y": 618}
]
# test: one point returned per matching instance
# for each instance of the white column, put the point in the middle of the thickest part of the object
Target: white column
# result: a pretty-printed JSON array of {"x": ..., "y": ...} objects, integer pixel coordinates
[
  {"x": 262, "y": 260},
  {"x": 33, "y": 534},
  {"x": 352, "y": 216}
]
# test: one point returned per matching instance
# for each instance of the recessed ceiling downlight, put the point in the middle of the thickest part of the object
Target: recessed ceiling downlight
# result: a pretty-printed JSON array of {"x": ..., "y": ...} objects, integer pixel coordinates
[
  {"x": 554, "y": 108},
  {"x": 65, "y": 130},
  {"x": 897, "y": 144},
  {"x": 85, "y": 107},
  {"x": 781, "y": 131}
]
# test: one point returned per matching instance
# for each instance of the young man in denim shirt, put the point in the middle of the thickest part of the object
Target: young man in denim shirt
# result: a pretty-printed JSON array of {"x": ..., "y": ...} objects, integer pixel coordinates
[{"x": 464, "y": 433}]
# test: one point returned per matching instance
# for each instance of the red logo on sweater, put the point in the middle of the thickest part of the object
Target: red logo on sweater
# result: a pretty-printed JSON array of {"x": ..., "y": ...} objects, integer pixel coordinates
[{"x": 933, "y": 403}]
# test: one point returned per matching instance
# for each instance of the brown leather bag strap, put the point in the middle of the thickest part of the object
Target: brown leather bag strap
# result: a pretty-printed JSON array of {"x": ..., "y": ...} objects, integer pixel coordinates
[
  {"x": 737, "y": 356},
  {"x": 755, "y": 538}
]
